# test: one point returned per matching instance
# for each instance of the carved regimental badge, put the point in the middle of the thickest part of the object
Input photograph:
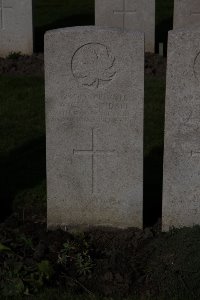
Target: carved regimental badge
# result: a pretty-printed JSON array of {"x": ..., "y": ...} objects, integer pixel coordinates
[{"x": 93, "y": 65}]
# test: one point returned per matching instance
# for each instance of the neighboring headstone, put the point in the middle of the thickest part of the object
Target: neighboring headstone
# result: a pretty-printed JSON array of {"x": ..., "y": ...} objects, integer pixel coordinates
[
  {"x": 94, "y": 123},
  {"x": 135, "y": 15},
  {"x": 16, "y": 29},
  {"x": 186, "y": 13},
  {"x": 181, "y": 190}
]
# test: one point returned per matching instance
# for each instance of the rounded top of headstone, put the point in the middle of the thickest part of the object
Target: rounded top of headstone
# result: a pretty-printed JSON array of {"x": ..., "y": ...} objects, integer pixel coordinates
[{"x": 87, "y": 29}]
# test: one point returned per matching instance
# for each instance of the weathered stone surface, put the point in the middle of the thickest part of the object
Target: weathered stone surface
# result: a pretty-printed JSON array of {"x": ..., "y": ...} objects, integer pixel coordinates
[
  {"x": 16, "y": 32},
  {"x": 94, "y": 123},
  {"x": 186, "y": 13},
  {"x": 135, "y": 15},
  {"x": 181, "y": 190}
]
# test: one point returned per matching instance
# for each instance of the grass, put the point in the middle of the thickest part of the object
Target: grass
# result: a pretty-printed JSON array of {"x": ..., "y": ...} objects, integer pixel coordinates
[
  {"x": 22, "y": 131},
  {"x": 51, "y": 14},
  {"x": 51, "y": 11},
  {"x": 22, "y": 112}
]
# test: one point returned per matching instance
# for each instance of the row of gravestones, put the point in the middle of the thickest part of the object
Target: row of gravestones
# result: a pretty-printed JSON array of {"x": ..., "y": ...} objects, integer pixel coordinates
[
  {"x": 94, "y": 123},
  {"x": 16, "y": 30},
  {"x": 94, "y": 117}
]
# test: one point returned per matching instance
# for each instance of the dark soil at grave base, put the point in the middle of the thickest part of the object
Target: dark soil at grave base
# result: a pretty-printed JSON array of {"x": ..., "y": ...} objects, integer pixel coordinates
[
  {"x": 34, "y": 65},
  {"x": 23, "y": 65},
  {"x": 118, "y": 268},
  {"x": 125, "y": 262}
]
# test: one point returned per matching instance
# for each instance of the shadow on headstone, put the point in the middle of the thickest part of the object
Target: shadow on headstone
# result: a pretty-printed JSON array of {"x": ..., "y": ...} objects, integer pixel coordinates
[
  {"x": 153, "y": 177},
  {"x": 23, "y": 168},
  {"x": 76, "y": 20}
]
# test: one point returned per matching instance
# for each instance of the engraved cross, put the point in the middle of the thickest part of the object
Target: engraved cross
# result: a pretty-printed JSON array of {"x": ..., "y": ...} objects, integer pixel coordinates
[
  {"x": 124, "y": 12},
  {"x": 3, "y": 6},
  {"x": 93, "y": 152}
]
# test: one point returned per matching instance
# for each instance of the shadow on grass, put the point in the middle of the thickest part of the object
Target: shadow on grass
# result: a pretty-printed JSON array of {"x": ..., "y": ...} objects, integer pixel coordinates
[
  {"x": 76, "y": 20},
  {"x": 21, "y": 169},
  {"x": 153, "y": 174}
]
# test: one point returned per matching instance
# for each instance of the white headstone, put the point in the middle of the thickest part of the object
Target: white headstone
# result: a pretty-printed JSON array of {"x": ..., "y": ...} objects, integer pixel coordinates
[
  {"x": 186, "y": 13},
  {"x": 94, "y": 123},
  {"x": 16, "y": 29},
  {"x": 135, "y": 15},
  {"x": 181, "y": 190}
]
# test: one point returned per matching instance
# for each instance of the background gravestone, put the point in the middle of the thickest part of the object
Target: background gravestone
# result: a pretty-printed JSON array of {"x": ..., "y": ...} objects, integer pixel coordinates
[
  {"x": 181, "y": 192},
  {"x": 16, "y": 32},
  {"x": 94, "y": 113},
  {"x": 186, "y": 13},
  {"x": 135, "y": 15}
]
